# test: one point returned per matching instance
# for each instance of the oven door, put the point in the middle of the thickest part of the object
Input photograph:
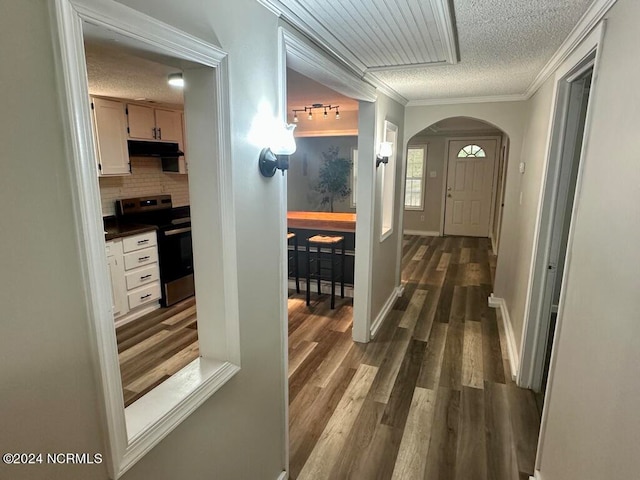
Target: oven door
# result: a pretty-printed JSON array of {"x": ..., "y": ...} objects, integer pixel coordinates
[{"x": 176, "y": 264}]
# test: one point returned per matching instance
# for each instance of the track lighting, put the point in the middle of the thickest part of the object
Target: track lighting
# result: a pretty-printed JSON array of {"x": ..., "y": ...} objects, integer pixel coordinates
[{"x": 309, "y": 111}]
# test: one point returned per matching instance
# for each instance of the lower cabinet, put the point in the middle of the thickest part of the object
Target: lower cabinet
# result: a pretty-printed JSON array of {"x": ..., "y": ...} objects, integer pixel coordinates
[{"x": 135, "y": 275}]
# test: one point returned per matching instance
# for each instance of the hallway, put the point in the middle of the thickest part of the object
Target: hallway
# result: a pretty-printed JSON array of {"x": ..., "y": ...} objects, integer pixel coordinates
[{"x": 430, "y": 397}]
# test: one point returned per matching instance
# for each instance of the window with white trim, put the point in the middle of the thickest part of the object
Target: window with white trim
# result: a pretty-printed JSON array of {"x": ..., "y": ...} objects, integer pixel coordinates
[{"x": 414, "y": 182}]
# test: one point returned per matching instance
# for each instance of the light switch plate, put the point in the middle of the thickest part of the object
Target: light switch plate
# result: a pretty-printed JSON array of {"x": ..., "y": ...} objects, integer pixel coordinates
[
  {"x": 522, "y": 167},
  {"x": 433, "y": 174}
]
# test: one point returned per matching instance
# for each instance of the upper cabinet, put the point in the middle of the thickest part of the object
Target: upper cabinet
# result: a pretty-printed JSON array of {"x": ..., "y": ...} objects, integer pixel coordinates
[
  {"x": 148, "y": 123},
  {"x": 159, "y": 124},
  {"x": 116, "y": 121},
  {"x": 142, "y": 122},
  {"x": 110, "y": 134}
]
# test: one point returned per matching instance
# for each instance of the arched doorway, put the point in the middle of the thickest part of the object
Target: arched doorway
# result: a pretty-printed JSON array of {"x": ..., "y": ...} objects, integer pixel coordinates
[{"x": 455, "y": 179}]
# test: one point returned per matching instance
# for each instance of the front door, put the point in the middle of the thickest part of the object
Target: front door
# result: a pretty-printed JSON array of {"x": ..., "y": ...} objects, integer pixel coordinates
[{"x": 470, "y": 172}]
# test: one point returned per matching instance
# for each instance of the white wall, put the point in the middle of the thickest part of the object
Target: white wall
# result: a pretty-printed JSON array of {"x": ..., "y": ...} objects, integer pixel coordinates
[
  {"x": 49, "y": 400},
  {"x": 521, "y": 208},
  {"x": 385, "y": 253},
  {"x": 593, "y": 427}
]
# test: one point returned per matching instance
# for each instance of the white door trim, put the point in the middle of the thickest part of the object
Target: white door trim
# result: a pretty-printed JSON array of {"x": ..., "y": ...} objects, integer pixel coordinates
[
  {"x": 532, "y": 331},
  {"x": 445, "y": 175},
  {"x": 130, "y": 433}
]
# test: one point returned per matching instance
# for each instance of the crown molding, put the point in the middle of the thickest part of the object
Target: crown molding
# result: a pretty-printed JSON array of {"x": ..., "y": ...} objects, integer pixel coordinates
[
  {"x": 594, "y": 14},
  {"x": 271, "y": 7},
  {"x": 315, "y": 63},
  {"x": 385, "y": 89},
  {"x": 518, "y": 97}
]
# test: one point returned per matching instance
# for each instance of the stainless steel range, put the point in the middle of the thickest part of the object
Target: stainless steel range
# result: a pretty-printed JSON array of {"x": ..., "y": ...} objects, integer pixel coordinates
[{"x": 174, "y": 241}]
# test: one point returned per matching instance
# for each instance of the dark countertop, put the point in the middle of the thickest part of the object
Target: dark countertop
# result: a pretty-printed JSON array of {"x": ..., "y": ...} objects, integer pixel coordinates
[{"x": 114, "y": 229}]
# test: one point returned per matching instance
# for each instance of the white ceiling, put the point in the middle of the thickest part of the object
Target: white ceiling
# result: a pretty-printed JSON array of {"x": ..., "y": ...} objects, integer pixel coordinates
[
  {"x": 121, "y": 68},
  {"x": 503, "y": 44}
]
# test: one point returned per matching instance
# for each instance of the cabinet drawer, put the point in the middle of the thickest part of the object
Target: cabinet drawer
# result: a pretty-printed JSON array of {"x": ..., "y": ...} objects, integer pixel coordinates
[
  {"x": 143, "y": 295},
  {"x": 136, "y": 242},
  {"x": 140, "y": 258},
  {"x": 142, "y": 276}
]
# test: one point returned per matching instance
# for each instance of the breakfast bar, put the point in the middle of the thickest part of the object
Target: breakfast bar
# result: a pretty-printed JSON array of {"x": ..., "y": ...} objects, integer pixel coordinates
[{"x": 308, "y": 224}]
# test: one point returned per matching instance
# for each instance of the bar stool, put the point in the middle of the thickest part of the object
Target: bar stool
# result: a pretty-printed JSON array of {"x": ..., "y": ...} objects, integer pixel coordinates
[
  {"x": 324, "y": 241},
  {"x": 294, "y": 257}
]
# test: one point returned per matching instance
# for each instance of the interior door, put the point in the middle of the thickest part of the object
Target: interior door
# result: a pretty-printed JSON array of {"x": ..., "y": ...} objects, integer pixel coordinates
[{"x": 470, "y": 178}]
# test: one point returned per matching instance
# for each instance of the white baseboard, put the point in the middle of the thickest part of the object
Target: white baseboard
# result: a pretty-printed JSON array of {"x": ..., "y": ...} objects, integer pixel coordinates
[
  {"x": 325, "y": 287},
  {"x": 283, "y": 476},
  {"x": 512, "y": 351},
  {"x": 422, "y": 233},
  {"x": 388, "y": 305}
]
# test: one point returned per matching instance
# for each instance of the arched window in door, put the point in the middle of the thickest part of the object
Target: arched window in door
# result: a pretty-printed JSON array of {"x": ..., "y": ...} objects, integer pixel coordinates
[{"x": 471, "y": 151}]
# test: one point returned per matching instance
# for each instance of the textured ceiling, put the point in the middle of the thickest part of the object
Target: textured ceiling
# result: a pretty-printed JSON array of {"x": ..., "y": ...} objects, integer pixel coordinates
[
  {"x": 116, "y": 68},
  {"x": 503, "y": 44}
]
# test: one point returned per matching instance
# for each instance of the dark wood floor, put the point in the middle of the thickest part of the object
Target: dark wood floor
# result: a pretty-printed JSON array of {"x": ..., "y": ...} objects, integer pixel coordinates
[
  {"x": 430, "y": 398},
  {"x": 154, "y": 347}
]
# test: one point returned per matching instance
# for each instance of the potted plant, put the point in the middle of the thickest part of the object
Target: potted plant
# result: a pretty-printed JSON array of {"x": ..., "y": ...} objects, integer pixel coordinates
[{"x": 333, "y": 183}]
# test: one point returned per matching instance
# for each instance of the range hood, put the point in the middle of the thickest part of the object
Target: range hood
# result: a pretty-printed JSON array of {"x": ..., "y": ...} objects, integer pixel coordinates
[{"x": 154, "y": 149}]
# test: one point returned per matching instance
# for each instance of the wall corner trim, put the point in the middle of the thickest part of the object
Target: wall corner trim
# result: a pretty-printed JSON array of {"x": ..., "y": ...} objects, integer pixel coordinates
[
  {"x": 283, "y": 476},
  {"x": 514, "y": 358},
  {"x": 388, "y": 305}
]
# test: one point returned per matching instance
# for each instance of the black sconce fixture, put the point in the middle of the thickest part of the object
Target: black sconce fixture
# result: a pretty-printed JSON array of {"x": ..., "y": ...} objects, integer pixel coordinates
[
  {"x": 276, "y": 157},
  {"x": 309, "y": 110},
  {"x": 386, "y": 150},
  {"x": 269, "y": 162}
]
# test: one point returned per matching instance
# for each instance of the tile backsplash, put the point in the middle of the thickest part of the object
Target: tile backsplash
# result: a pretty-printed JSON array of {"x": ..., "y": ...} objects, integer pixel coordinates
[{"x": 147, "y": 178}]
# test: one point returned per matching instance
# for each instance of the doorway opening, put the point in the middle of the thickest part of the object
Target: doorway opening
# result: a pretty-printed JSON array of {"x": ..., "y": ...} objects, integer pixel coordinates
[
  {"x": 552, "y": 247},
  {"x": 455, "y": 180}
]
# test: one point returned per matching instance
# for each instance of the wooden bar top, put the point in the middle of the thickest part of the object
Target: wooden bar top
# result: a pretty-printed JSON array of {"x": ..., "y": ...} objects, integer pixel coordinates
[{"x": 338, "y": 222}]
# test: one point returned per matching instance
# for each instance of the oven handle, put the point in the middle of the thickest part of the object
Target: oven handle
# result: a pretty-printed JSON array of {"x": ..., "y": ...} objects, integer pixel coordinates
[{"x": 177, "y": 231}]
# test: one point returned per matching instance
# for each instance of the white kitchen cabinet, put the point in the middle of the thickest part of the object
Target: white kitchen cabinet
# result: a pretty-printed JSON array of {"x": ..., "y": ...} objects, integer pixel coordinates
[
  {"x": 142, "y": 122},
  {"x": 115, "y": 262},
  {"x": 169, "y": 126},
  {"x": 135, "y": 275},
  {"x": 149, "y": 123},
  {"x": 110, "y": 135}
]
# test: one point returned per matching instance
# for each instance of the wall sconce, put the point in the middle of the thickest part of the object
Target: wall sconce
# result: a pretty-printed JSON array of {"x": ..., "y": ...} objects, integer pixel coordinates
[
  {"x": 175, "y": 79},
  {"x": 326, "y": 109},
  {"x": 385, "y": 151},
  {"x": 276, "y": 156}
]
